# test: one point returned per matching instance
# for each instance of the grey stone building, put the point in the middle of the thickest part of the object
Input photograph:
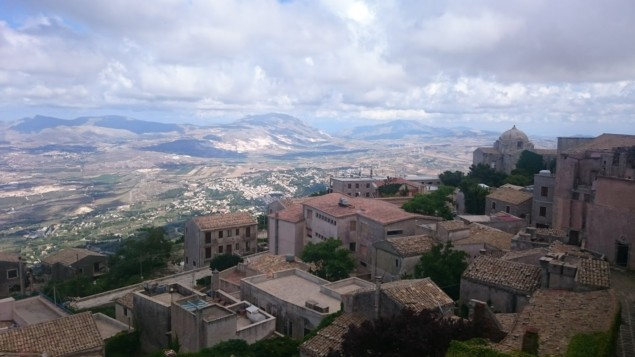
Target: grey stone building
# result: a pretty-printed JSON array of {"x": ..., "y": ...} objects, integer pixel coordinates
[
  {"x": 515, "y": 202},
  {"x": 12, "y": 274},
  {"x": 71, "y": 262},
  {"x": 542, "y": 204},
  {"x": 395, "y": 257}
]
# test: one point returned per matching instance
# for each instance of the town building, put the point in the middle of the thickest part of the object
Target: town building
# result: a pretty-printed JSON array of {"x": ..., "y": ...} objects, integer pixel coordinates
[
  {"x": 285, "y": 227},
  {"x": 331, "y": 337},
  {"x": 429, "y": 183},
  {"x": 506, "y": 151},
  {"x": 199, "y": 323},
  {"x": 124, "y": 309},
  {"x": 394, "y": 258},
  {"x": 354, "y": 186},
  {"x": 69, "y": 336},
  {"x": 209, "y": 236},
  {"x": 474, "y": 239},
  {"x": 72, "y": 262},
  {"x": 542, "y": 204},
  {"x": 297, "y": 299},
  {"x": 500, "y": 220},
  {"x": 515, "y": 202},
  {"x": 12, "y": 274},
  {"x": 594, "y": 194},
  {"x": 505, "y": 285},
  {"x": 357, "y": 222}
]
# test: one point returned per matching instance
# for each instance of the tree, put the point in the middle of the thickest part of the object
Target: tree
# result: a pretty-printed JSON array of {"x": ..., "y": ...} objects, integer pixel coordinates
[
  {"x": 432, "y": 204},
  {"x": 449, "y": 178},
  {"x": 486, "y": 175},
  {"x": 332, "y": 261},
  {"x": 444, "y": 265},
  {"x": 407, "y": 334},
  {"x": 474, "y": 196},
  {"x": 262, "y": 221},
  {"x": 529, "y": 163},
  {"x": 224, "y": 261}
]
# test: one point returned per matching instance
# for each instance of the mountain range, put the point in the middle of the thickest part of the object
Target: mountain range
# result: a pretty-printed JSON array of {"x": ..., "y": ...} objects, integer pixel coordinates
[{"x": 274, "y": 135}]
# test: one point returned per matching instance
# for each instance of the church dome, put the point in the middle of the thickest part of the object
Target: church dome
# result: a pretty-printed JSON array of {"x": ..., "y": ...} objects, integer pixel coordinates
[{"x": 514, "y": 135}]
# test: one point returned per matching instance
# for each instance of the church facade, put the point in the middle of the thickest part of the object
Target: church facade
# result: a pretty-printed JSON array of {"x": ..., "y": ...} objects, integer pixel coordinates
[{"x": 506, "y": 151}]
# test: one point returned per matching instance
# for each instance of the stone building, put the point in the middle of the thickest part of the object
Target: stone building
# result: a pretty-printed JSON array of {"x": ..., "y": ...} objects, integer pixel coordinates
[
  {"x": 506, "y": 151},
  {"x": 515, "y": 202},
  {"x": 71, "y": 262},
  {"x": 542, "y": 204},
  {"x": 354, "y": 186},
  {"x": 12, "y": 274},
  {"x": 594, "y": 194},
  {"x": 396, "y": 257},
  {"x": 505, "y": 285},
  {"x": 285, "y": 228},
  {"x": 209, "y": 236}
]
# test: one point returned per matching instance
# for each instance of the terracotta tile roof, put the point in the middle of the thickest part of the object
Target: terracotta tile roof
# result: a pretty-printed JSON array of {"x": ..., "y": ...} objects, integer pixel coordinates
[
  {"x": 452, "y": 225},
  {"x": 126, "y": 301},
  {"x": 558, "y": 315},
  {"x": 604, "y": 143},
  {"x": 376, "y": 210},
  {"x": 330, "y": 337},
  {"x": 293, "y": 211},
  {"x": 508, "y": 195},
  {"x": 417, "y": 294},
  {"x": 508, "y": 275},
  {"x": 487, "y": 235},
  {"x": 69, "y": 256},
  {"x": 518, "y": 254},
  {"x": 594, "y": 272},
  {"x": 268, "y": 264},
  {"x": 227, "y": 220},
  {"x": 9, "y": 257},
  {"x": 507, "y": 320},
  {"x": 412, "y": 245},
  {"x": 551, "y": 232},
  {"x": 65, "y": 336}
]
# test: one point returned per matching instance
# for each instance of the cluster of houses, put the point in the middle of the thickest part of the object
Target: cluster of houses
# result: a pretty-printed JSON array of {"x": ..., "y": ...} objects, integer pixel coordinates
[{"x": 539, "y": 264}]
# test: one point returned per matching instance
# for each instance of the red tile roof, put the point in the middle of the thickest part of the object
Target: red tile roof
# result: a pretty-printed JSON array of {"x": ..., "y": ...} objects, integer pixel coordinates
[
  {"x": 376, "y": 210},
  {"x": 227, "y": 220},
  {"x": 523, "y": 278}
]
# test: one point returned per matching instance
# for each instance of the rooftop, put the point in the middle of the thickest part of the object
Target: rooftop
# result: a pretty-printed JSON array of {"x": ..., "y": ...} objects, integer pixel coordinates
[
  {"x": 65, "y": 336},
  {"x": 376, "y": 210},
  {"x": 409, "y": 246},
  {"x": 9, "y": 257},
  {"x": 296, "y": 287},
  {"x": 69, "y": 256},
  {"x": 512, "y": 275},
  {"x": 594, "y": 272},
  {"x": 416, "y": 294},
  {"x": 126, "y": 301},
  {"x": 480, "y": 234},
  {"x": 267, "y": 263},
  {"x": 330, "y": 337},
  {"x": 510, "y": 196},
  {"x": 227, "y": 220},
  {"x": 455, "y": 225},
  {"x": 604, "y": 143},
  {"x": 35, "y": 310},
  {"x": 556, "y": 314},
  {"x": 293, "y": 211}
]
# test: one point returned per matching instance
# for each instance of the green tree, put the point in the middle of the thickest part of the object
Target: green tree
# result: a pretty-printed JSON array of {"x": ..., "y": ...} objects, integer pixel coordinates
[
  {"x": 474, "y": 196},
  {"x": 519, "y": 179},
  {"x": 262, "y": 221},
  {"x": 332, "y": 261},
  {"x": 449, "y": 178},
  {"x": 486, "y": 175},
  {"x": 224, "y": 261},
  {"x": 529, "y": 163},
  {"x": 444, "y": 265},
  {"x": 432, "y": 204}
]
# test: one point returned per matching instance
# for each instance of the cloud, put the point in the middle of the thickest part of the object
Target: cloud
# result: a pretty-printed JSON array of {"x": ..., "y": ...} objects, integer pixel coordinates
[{"x": 482, "y": 61}]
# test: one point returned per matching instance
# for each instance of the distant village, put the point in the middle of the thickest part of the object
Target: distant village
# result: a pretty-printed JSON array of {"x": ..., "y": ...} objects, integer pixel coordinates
[{"x": 539, "y": 262}]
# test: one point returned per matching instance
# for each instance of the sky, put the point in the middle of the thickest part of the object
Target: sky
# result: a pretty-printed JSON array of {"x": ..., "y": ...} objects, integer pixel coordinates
[{"x": 561, "y": 67}]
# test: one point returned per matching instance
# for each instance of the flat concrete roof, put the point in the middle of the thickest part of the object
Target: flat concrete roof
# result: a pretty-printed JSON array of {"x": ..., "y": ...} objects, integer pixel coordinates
[
  {"x": 108, "y": 326},
  {"x": 35, "y": 310},
  {"x": 215, "y": 312},
  {"x": 297, "y": 290}
]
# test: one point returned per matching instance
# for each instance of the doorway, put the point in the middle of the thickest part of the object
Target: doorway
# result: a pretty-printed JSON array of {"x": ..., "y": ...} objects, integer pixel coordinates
[{"x": 621, "y": 254}]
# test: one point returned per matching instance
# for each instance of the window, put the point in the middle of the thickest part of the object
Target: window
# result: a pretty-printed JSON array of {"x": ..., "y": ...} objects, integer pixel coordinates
[
  {"x": 397, "y": 263},
  {"x": 194, "y": 262},
  {"x": 394, "y": 232},
  {"x": 220, "y": 249},
  {"x": 248, "y": 232},
  {"x": 493, "y": 205},
  {"x": 351, "y": 247},
  {"x": 543, "y": 211},
  {"x": 349, "y": 185},
  {"x": 309, "y": 215},
  {"x": 519, "y": 145},
  {"x": 367, "y": 194},
  {"x": 12, "y": 273},
  {"x": 220, "y": 234},
  {"x": 352, "y": 225},
  {"x": 247, "y": 245},
  {"x": 544, "y": 191},
  {"x": 356, "y": 185},
  {"x": 208, "y": 252},
  {"x": 208, "y": 237},
  {"x": 507, "y": 209},
  {"x": 237, "y": 231},
  {"x": 237, "y": 246},
  {"x": 125, "y": 311},
  {"x": 229, "y": 233},
  {"x": 367, "y": 185}
]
